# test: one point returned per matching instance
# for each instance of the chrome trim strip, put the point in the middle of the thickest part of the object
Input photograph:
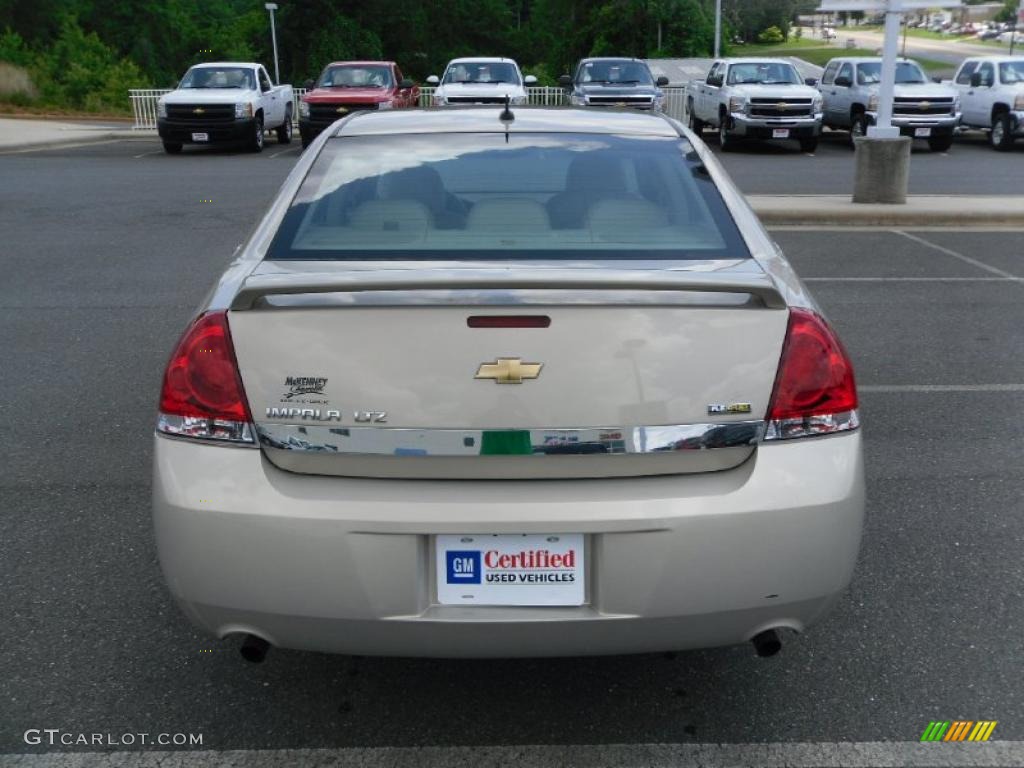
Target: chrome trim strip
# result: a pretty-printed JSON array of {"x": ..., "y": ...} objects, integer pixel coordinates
[{"x": 392, "y": 441}]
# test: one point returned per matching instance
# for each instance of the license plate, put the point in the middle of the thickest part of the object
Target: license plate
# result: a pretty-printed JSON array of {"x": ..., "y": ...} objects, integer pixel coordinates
[
  {"x": 510, "y": 569},
  {"x": 200, "y": 137},
  {"x": 780, "y": 133},
  {"x": 922, "y": 133}
]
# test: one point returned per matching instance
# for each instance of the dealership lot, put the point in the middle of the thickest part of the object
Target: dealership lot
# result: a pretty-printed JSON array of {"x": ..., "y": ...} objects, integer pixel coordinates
[{"x": 109, "y": 247}]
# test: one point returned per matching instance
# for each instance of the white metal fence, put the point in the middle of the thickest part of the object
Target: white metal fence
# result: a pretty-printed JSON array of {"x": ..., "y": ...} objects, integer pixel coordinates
[{"x": 144, "y": 102}]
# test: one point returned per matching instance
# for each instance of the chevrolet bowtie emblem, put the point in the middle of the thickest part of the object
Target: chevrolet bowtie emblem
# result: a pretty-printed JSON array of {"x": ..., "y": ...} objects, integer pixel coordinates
[
  {"x": 924, "y": 105},
  {"x": 508, "y": 370},
  {"x": 198, "y": 111},
  {"x": 782, "y": 106},
  {"x": 341, "y": 110}
]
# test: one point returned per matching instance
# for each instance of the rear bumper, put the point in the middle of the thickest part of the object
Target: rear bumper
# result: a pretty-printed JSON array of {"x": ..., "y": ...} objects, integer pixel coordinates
[
  {"x": 181, "y": 132},
  {"x": 764, "y": 128},
  {"x": 346, "y": 565}
]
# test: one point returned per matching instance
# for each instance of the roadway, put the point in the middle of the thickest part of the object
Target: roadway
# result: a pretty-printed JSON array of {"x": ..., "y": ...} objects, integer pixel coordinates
[
  {"x": 949, "y": 51},
  {"x": 109, "y": 247}
]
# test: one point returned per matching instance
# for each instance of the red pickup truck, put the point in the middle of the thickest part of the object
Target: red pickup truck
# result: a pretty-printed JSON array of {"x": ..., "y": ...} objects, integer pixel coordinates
[{"x": 347, "y": 86}]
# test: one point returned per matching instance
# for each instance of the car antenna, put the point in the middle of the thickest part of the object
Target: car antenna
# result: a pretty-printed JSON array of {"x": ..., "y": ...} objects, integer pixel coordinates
[{"x": 506, "y": 115}]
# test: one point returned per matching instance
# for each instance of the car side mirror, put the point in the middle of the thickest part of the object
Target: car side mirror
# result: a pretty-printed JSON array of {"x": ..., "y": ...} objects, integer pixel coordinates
[
  {"x": 975, "y": 80},
  {"x": 661, "y": 81},
  {"x": 264, "y": 87},
  {"x": 530, "y": 80},
  {"x": 406, "y": 84},
  {"x": 844, "y": 82},
  {"x": 565, "y": 81},
  {"x": 810, "y": 81},
  {"x": 309, "y": 85},
  {"x": 433, "y": 80}
]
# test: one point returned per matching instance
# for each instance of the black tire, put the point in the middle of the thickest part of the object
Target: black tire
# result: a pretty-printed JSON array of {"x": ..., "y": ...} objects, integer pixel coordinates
[
  {"x": 172, "y": 148},
  {"x": 940, "y": 143},
  {"x": 809, "y": 145},
  {"x": 859, "y": 124},
  {"x": 726, "y": 141},
  {"x": 284, "y": 132},
  {"x": 1001, "y": 135},
  {"x": 696, "y": 124},
  {"x": 256, "y": 140}
]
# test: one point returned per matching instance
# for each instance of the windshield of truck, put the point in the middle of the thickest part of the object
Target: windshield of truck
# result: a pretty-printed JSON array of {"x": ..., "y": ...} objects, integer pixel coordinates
[
  {"x": 356, "y": 76},
  {"x": 482, "y": 72},
  {"x": 612, "y": 72},
  {"x": 219, "y": 77},
  {"x": 764, "y": 73},
  {"x": 1011, "y": 72},
  {"x": 907, "y": 72},
  {"x": 497, "y": 196}
]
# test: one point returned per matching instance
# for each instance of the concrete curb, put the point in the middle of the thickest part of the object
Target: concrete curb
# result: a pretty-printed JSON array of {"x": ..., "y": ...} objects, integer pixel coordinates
[
  {"x": 85, "y": 135},
  {"x": 919, "y": 210}
]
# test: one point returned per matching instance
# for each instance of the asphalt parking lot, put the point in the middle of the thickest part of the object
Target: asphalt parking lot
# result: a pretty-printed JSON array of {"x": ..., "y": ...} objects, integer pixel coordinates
[
  {"x": 970, "y": 167},
  {"x": 107, "y": 249}
]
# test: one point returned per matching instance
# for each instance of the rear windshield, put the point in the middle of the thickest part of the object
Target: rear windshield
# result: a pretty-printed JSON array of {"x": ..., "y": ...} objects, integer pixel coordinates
[{"x": 494, "y": 196}]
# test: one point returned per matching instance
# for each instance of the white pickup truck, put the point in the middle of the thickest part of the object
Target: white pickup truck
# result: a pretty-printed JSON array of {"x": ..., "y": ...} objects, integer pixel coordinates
[
  {"x": 921, "y": 109},
  {"x": 223, "y": 102},
  {"x": 756, "y": 98},
  {"x": 991, "y": 92}
]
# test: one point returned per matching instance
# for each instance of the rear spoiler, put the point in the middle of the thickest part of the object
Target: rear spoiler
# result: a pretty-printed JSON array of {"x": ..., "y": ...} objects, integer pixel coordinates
[{"x": 260, "y": 286}]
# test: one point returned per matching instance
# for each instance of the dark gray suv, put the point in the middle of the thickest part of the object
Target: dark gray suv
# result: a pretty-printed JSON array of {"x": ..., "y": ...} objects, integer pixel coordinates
[{"x": 614, "y": 82}]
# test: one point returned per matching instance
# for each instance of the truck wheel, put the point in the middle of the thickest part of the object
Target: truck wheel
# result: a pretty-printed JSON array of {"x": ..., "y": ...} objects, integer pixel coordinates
[
  {"x": 1001, "y": 135},
  {"x": 256, "y": 140},
  {"x": 940, "y": 143},
  {"x": 859, "y": 126},
  {"x": 696, "y": 125},
  {"x": 172, "y": 148},
  {"x": 284, "y": 133},
  {"x": 809, "y": 145}
]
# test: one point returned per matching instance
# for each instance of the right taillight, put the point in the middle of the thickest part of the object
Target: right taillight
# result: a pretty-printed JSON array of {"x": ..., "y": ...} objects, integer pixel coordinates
[
  {"x": 815, "y": 392},
  {"x": 202, "y": 395}
]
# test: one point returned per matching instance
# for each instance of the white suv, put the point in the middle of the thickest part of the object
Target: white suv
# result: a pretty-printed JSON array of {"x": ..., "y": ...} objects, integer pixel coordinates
[{"x": 481, "y": 81}]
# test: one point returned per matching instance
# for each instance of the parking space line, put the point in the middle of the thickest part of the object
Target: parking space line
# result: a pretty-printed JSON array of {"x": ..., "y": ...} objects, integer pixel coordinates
[
  {"x": 282, "y": 152},
  {"x": 147, "y": 154},
  {"x": 940, "y": 387},
  {"x": 950, "y": 252}
]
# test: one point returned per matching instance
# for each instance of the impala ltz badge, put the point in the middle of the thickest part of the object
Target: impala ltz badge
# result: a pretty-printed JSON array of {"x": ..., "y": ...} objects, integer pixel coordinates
[
  {"x": 729, "y": 408},
  {"x": 508, "y": 370}
]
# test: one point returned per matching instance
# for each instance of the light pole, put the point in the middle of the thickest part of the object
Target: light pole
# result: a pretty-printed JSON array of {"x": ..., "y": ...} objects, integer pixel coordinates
[
  {"x": 718, "y": 28},
  {"x": 271, "y": 7}
]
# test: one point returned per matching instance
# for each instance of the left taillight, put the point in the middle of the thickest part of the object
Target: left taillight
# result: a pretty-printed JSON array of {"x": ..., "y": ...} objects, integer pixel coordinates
[{"x": 202, "y": 395}]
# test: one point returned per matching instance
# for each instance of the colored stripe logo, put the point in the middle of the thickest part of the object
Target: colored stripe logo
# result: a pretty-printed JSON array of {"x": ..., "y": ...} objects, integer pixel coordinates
[{"x": 959, "y": 730}]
